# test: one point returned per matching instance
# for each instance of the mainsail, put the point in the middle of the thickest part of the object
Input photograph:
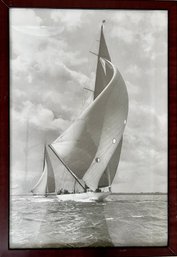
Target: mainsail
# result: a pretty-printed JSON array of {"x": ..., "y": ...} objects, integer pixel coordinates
[
  {"x": 91, "y": 146},
  {"x": 46, "y": 183}
]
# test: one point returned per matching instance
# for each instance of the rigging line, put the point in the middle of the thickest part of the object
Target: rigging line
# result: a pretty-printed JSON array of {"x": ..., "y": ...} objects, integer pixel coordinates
[
  {"x": 93, "y": 53},
  {"x": 70, "y": 171},
  {"x": 89, "y": 89}
]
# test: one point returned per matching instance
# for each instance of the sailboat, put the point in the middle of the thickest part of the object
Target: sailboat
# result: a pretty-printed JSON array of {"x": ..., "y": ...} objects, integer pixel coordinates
[
  {"x": 89, "y": 150},
  {"x": 46, "y": 184}
]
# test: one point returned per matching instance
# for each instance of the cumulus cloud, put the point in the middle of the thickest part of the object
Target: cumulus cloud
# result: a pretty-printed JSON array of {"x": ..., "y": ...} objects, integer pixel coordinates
[
  {"x": 144, "y": 153},
  {"x": 70, "y": 20},
  {"x": 25, "y": 17},
  {"x": 50, "y": 68}
]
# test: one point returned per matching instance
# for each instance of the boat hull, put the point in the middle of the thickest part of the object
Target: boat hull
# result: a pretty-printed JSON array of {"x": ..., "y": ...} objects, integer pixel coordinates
[
  {"x": 44, "y": 195},
  {"x": 84, "y": 197}
]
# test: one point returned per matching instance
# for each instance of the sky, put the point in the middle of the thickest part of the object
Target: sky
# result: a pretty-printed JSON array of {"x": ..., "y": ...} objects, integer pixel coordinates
[{"x": 50, "y": 64}]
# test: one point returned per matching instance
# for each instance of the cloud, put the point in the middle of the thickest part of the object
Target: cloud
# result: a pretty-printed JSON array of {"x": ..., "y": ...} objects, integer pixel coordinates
[
  {"x": 24, "y": 17},
  {"x": 144, "y": 154},
  {"x": 123, "y": 34},
  {"x": 44, "y": 71},
  {"x": 50, "y": 67},
  {"x": 70, "y": 19},
  {"x": 39, "y": 117},
  {"x": 46, "y": 89},
  {"x": 140, "y": 33}
]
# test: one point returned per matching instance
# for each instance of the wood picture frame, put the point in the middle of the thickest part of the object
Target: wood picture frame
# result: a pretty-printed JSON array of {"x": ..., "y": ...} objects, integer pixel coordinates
[{"x": 171, "y": 7}]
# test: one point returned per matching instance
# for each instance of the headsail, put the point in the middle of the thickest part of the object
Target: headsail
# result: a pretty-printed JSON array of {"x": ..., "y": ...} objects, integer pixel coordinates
[
  {"x": 41, "y": 187},
  {"x": 50, "y": 173},
  {"x": 46, "y": 183},
  {"x": 110, "y": 172}
]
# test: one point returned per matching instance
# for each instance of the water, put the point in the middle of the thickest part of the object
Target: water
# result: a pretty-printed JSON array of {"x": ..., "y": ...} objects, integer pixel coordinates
[{"x": 121, "y": 220}]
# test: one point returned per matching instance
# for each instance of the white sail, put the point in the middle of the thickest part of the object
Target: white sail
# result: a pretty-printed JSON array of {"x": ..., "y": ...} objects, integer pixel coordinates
[
  {"x": 46, "y": 183},
  {"x": 50, "y": 174},
  {"x": 90, "y": 148},
  {"x": 93, "y": 134},
  {"x": 77, "y": 146},
  {"x": 110, "y": 172},
  {"x": 41, "y": 187},
  {"x": 115, "y": 100},
  {"x": 102, "y": 79}
]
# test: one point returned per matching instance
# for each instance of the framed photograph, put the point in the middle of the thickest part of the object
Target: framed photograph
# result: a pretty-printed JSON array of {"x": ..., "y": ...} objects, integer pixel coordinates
[{"x": 88, "y": 118}]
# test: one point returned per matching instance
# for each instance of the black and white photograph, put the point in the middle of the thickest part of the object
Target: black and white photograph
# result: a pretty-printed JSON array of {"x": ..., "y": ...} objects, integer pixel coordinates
[{"x": 88, "y": 128}]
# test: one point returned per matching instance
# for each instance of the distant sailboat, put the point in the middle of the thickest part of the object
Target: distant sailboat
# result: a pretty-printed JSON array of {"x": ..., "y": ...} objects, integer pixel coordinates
[
  {"x": 89, "y": 150},
  {"x": 46, "y": 183}
]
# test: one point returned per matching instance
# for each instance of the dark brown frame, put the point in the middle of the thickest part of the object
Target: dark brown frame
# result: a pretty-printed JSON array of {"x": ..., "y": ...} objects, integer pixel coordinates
[{"x": 171, "y": 6}]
